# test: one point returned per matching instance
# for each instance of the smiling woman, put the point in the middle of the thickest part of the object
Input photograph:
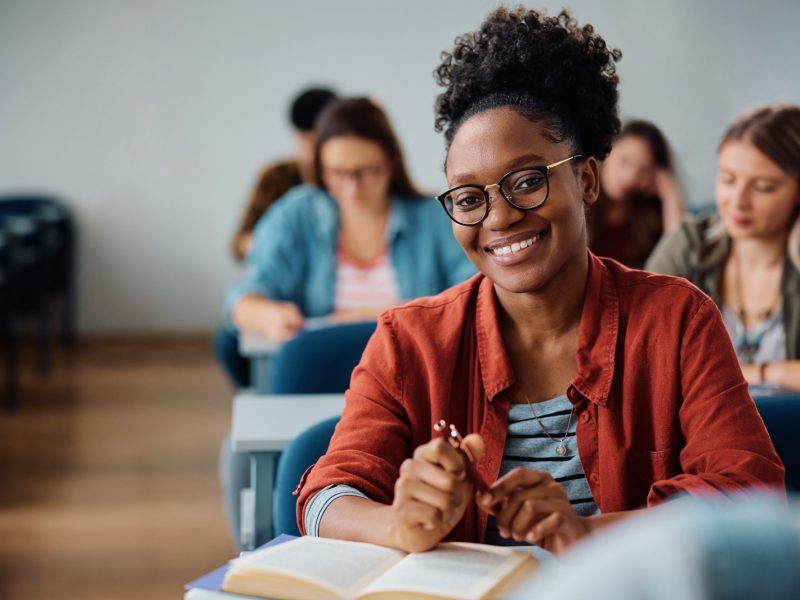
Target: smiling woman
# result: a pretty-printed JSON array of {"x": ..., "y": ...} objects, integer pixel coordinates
[{"x": 586, "y": 387}]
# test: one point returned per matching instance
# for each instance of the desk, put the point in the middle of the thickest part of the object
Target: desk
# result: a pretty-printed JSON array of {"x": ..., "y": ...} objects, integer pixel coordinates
[
  {"x": 263, "y": 425},
  {"x": 261, "y": 351}
]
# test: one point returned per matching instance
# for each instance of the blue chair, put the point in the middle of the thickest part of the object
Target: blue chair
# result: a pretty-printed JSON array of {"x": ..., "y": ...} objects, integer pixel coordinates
[
  {"x": 27, "y": 270},
  {"x": 303, "y": 452},
  {"x": 781, "y": 414},
  {"x": 8, "y": 337},
  {"x": 317, "y": 361},
  {"x": 55, "y": 247},
  {"x": 320, "y": 361}
]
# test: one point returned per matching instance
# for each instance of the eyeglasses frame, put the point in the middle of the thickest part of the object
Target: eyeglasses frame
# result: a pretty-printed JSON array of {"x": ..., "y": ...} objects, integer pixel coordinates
[{"x": 545, "y": 170}]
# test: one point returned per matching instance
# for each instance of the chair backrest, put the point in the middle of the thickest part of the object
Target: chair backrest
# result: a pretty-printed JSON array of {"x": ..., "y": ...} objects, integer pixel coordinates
[
  {"x": 781, "y": 414},
  {"x": 317, "y": 361},
  {"x": 303, "y": 452},
  {"x": 29, "y": 204}
]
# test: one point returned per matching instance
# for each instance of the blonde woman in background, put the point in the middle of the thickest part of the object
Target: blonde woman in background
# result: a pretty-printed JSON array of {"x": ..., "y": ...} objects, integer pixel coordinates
[{"x": 748, "y": 256}]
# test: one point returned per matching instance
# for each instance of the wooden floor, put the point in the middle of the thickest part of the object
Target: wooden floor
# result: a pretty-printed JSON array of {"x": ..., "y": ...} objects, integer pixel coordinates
[{"x": 108, "y": 473}]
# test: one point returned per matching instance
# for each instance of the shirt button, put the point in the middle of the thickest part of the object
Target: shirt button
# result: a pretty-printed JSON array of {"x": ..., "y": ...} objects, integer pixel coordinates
[
  {"x": 594, "y": 478},
  {"x": 585, "y": 417}
]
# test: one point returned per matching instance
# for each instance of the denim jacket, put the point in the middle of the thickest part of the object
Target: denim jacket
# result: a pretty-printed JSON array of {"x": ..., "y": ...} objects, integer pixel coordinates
[{"x": 294, "y": 251}]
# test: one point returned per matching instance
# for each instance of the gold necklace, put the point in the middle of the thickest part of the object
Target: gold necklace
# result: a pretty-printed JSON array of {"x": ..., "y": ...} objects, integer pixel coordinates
[{"x": 561, "y": 448}]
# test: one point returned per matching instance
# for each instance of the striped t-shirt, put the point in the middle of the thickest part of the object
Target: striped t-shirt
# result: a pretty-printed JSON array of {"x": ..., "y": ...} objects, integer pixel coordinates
[
  {"x": 526, "y": 446},
  {"x": 365, "y": 285},
  {"x": 529, "y": 447}
]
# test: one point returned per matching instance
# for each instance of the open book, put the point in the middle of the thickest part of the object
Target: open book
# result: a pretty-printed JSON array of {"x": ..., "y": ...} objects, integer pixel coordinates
[{"x": 311, "y": 568}]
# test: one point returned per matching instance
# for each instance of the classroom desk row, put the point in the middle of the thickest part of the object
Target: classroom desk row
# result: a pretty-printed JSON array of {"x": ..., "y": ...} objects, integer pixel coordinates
[
  {"x": 261, "y": 351},
  {"x": 264, "y": 425}
]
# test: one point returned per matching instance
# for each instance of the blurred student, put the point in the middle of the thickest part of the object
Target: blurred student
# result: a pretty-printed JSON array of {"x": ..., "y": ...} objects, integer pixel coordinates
[
  {"x": 277, "y": 179},
  {"x": 361, "y": 240},
  {"x": 639, "y": 196},
  {"x": 747, "y": 258}
]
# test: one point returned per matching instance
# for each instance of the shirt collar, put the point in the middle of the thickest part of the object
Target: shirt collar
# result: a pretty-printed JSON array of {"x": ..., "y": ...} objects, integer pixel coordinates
[
  {"x": 326, "y": 212},
  {"x": 790, "y": 279},
  {"x": 597, "y": 338},
  {"x": 714, "y": 250},
  {"x": 495, "y": 365}
]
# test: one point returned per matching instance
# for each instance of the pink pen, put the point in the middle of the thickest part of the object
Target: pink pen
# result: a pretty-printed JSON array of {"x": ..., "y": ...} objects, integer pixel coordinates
[{"x": 451, "y": 434}]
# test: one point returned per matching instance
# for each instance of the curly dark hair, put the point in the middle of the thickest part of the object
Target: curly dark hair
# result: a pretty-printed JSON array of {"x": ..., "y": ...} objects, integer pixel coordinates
[{"x": 548, "y": 69}]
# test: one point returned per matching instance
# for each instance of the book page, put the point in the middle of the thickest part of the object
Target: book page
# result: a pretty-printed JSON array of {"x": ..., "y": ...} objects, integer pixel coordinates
[
  {"x": 452, "y": 570},
  {"x": 344, "y": 567}
]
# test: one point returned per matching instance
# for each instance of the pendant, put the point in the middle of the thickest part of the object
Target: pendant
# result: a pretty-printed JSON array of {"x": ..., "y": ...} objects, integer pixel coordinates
[{"x": 561, "y": 449}]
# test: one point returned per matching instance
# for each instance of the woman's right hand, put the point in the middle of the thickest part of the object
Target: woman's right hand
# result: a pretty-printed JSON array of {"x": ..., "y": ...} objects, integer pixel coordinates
[
  {"x": 276, "y": 321},
  {"x": 282, "y": 321},
  {"x": 431, "y": 494}
]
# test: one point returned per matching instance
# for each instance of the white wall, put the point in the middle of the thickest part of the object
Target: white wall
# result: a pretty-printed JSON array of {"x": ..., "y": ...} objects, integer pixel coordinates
[{"x": 152, "y": 117}]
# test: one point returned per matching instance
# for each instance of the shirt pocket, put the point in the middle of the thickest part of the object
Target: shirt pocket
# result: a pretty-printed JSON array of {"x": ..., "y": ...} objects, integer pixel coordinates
[{"x": 649, "y": 466}]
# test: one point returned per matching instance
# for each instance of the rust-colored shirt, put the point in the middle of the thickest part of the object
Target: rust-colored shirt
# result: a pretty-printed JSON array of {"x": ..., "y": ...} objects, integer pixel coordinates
[{"x": 661, "y": 402}]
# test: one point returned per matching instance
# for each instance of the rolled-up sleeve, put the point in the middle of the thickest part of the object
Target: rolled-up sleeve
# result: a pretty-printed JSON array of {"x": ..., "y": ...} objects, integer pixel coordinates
[
  {"x": 372, "y": 438},
  {"x": 319, "y": 503}
]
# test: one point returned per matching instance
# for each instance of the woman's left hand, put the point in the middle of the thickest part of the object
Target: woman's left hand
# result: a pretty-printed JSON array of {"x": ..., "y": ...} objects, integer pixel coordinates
[
  {"x": 665, "y": 186},
  {"x": 531, "y": 506}
]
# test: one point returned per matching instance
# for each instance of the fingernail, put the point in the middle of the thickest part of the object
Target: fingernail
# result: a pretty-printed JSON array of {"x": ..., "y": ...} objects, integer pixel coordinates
[{"x": 504, "y": 532}]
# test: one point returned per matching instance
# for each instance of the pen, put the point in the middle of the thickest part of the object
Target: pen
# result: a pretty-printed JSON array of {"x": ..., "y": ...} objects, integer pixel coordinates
[{"x": 453, "y": 437}]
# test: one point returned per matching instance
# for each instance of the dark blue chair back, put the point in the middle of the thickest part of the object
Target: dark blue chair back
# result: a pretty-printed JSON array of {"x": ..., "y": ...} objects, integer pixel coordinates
[
  {"x": 317, "y": 361},
  {"x": 54, "y": 249},
  {"x": 8, "y": 338},
  {"x": 781, "y": 414},
  {"x": 303, "y": 452},
  {"x": 320, "y": 361}
]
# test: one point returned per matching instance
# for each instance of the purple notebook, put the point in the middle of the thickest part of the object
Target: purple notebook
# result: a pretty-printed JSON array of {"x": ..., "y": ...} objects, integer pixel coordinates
[{"x": 213, "y": 581}]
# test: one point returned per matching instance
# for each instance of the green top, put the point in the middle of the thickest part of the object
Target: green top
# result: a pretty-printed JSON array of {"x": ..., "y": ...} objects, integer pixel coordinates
[{"x": 697, "y": 251}]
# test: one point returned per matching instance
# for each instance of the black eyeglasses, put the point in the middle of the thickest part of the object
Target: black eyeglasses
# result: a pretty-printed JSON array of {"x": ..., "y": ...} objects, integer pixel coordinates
[{"x": 524, "y": 189}]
